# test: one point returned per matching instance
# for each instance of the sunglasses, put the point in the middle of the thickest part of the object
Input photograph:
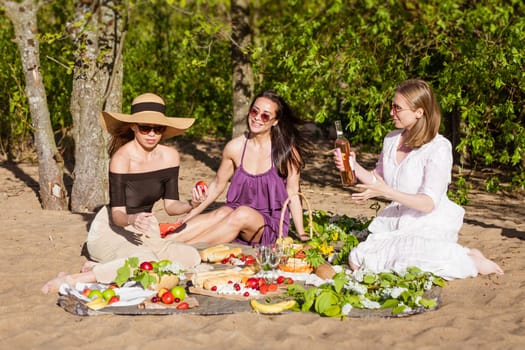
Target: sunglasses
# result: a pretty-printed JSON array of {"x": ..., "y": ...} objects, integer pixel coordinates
[
  {"x": 265, "y": 117},
  {"x": 398, "y": 108},
  {"x": 146, "y": 129}
]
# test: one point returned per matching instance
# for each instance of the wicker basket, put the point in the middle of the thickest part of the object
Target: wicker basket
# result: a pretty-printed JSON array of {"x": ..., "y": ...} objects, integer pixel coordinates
[
  {"x": 294, "y": 264},
  {"x": 310, "y": 220}
]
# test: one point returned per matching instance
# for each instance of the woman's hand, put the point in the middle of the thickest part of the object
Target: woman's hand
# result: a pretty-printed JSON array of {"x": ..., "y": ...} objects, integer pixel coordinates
[
  {"x": 199, "y": 195},
  {"x": 378, "y": 188},
  {"x": 338, "y": 159},
  {"x": 141, "y": 221}
]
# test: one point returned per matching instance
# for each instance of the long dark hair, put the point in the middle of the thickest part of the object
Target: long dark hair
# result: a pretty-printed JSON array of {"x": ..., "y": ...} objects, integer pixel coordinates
[
  {"x": 122, "y": 136},
  {"x": 289, "y": 146}
]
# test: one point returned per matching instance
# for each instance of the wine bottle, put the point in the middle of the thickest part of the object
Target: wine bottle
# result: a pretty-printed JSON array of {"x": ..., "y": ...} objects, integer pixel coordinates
[{"x": 347, "y": 174}]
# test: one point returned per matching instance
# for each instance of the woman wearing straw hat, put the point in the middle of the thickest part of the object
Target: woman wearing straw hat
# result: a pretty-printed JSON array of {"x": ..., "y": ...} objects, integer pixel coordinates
[
  {"x": 264, "y": 168},
  {"x": 141, "y": 172}
]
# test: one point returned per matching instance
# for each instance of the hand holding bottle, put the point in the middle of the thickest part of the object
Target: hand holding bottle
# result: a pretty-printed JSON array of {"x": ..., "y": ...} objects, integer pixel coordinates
[{"x": 345, "y": 167}]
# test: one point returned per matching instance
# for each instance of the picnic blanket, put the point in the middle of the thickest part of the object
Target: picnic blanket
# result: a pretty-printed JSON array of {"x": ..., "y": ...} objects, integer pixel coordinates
[{"x": 136, "y": 300}]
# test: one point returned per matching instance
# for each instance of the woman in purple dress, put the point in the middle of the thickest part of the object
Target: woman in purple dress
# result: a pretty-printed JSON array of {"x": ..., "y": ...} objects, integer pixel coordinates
[{"x": 264, "y": 168}]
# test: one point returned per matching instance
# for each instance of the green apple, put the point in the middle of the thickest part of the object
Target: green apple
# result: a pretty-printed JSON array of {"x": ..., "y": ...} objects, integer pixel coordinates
[{"x": 178, "y": 292}]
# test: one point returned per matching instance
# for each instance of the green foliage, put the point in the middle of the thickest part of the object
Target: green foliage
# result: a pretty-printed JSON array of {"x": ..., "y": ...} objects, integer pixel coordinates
[
  {"x": 400, "y": 292},
  {"x": 331, "y": 60},
  {"x": 334, "y": 236}
]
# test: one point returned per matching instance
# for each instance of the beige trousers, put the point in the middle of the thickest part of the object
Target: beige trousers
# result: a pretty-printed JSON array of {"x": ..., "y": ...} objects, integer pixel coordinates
[{"x": 111, "y": 245}]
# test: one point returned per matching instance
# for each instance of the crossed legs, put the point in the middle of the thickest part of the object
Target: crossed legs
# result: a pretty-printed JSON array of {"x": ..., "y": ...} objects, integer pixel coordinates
[{"x": 223, "y": 225}]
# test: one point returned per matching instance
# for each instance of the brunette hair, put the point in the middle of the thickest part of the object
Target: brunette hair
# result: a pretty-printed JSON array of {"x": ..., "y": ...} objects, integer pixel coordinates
[
  {"x": 419, "y": 94},
  {"x": 122, "y": 135},
  {"x": 289, "y": 146}
]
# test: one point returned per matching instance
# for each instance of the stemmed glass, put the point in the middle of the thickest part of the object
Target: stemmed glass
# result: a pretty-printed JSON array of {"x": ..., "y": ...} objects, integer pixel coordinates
[
  {"x": 275, "y": 253},
  {"x": 261, "y": 255}
]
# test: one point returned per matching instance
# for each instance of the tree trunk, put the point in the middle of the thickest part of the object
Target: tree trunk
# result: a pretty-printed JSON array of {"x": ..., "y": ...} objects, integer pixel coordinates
[
  {"x": 242, "y": 78},
  {"x": 23, "y": 15},
  {"x": 97, "y": 77}
]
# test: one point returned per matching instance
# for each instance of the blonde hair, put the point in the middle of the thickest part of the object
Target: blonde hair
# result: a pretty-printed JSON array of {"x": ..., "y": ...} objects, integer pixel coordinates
[{"x": 419, "y": 94}]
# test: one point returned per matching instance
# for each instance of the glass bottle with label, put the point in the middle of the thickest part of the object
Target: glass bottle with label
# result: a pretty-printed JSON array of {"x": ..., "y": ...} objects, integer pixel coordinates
[{"x": 347, "y": 174}]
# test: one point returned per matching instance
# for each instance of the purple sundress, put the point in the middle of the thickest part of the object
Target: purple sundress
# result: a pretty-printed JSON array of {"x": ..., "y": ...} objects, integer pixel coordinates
[{"x": 266, "y": 193}]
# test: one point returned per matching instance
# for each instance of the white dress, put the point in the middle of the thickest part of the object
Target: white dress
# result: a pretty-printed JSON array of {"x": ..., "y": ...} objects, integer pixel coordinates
[{"x": 402, "y": 237}]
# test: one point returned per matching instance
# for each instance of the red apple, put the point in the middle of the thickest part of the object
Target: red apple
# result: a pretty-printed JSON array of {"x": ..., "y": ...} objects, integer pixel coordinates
[
  {"x": 113, "y": 299},
  {"x": 201, "y": 185},
  {"x": 146, "y": 266},
  {"x": 167, "y": 298}
]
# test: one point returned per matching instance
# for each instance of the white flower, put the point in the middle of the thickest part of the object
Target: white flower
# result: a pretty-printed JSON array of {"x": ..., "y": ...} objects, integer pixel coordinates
[
  {"x": 427, "y": 285},
  {"x": 359, "y": 275},
  {"x": 368, "y": 304},
  {"x": 407, "y": 308},
  {"x": 395, "y": 292},
  {"x": 356, "y": 287},
  {"x": 346, "y": 309}
]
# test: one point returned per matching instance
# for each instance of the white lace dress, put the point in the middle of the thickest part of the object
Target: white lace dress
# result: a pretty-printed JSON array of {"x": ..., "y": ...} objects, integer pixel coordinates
[{"x": 402, "y": 237}]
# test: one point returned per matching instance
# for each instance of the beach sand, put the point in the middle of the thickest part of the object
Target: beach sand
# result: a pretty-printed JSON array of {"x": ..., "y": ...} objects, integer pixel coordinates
[{"x": 486, "y": 312}]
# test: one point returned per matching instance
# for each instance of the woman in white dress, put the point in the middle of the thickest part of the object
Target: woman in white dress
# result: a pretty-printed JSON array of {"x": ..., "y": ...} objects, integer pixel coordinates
[{"x": 420, "y": 226}]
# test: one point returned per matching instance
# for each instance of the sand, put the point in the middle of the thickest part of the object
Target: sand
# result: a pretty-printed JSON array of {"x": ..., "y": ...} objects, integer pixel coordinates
[{"x": 486, "y": 312}]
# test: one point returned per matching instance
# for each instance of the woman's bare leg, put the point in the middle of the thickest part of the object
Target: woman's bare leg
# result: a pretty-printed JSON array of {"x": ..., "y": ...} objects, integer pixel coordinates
[
  {"x": 53, "y": 285},
  {"x": 243, "y": 219},
  {"x": 484, "y": 265},
  {"x": 88, "y": 266},
  {"x": 200, "y": 224}
]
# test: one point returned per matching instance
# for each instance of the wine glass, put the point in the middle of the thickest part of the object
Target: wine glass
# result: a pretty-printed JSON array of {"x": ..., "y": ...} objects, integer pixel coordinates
[
  {"x": 275, "y": 253},
  {"x": 261, "y": 255}
]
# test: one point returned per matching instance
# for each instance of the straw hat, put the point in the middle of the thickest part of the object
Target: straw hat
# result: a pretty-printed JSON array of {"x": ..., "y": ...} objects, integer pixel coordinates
[{"x": 146, "y": 109}]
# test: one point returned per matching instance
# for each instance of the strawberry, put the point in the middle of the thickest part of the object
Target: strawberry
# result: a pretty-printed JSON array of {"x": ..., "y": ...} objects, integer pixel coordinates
[
  {"x": 263, "y": 289},
  {"x": 272, "y": 287},
  {"x": 183, "y": 306},
  {"x": 280, "y": 279}
]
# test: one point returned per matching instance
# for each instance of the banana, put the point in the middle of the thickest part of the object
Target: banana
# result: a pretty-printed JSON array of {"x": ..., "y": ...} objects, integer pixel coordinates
[
  {"x": 272, "y": 308},
  {"x": 97, "y": 304}
]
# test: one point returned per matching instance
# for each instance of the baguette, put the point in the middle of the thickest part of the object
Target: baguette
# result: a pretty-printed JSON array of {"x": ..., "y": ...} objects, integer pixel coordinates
[
  {"x": 220, "y": 255},
  {"x": 221, "y": 280},
  {"x": 206, "y": 252},
  {"x": 200, "y": 278}
]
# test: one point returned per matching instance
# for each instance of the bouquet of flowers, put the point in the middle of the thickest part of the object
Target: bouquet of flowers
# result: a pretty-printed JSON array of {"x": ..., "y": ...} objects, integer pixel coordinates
[{"x": 334, "y": 238}]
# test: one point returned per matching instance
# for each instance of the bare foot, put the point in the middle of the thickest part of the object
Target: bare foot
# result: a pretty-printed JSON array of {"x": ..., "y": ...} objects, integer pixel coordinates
[
  {"x": 484, "y": 265},
  {"x": 88, "y": 266},
  {"x": 53, "y": 285}
]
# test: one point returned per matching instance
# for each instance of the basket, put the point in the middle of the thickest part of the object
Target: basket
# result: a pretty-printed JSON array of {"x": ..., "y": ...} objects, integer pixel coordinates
[
  {"x": 295, "y": 264},
  {"x": 310, "y": 220}
]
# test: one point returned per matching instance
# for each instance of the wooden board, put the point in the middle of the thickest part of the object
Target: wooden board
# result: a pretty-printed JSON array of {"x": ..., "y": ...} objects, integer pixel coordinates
[{"x": 209, "y": 293}]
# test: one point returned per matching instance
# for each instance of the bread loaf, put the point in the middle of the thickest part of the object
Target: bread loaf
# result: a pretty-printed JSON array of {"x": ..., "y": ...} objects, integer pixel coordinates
[{"x": 218, "y": 253}]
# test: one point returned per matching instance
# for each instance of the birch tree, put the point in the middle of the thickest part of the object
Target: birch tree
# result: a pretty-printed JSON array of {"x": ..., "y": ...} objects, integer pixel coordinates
[
  {"x": 98, "y": 36},
  {"x": 23, "y": 15}
]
